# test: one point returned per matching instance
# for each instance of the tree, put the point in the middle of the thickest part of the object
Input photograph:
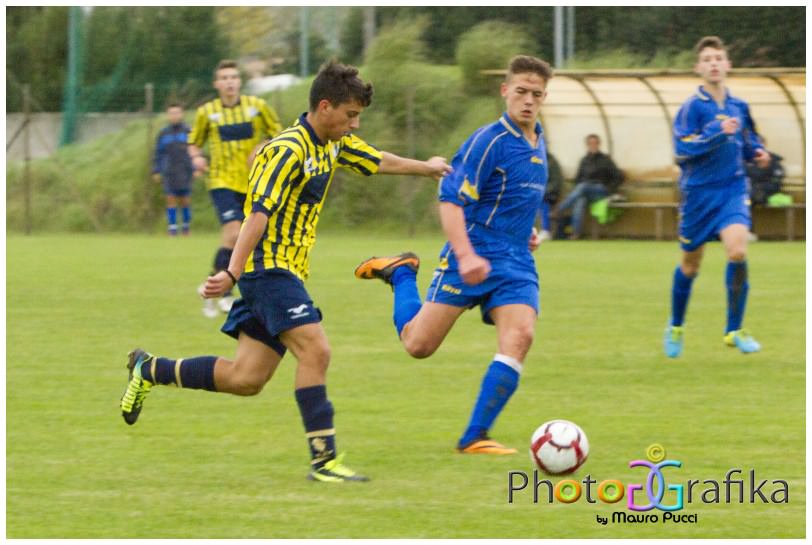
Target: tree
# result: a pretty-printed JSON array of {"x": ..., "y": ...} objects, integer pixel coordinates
[{"x": 36, "y": 52}]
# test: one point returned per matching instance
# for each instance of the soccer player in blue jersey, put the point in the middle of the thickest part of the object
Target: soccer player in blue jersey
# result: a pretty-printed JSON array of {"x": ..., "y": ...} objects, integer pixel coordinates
[
  {"x": 488, "y": 206},
  {"x": 173, "y": 167},
  {"x": 713, "y": 137},
  {"x": 232, "y": 124},
  {"x": 288, "y": 183}
]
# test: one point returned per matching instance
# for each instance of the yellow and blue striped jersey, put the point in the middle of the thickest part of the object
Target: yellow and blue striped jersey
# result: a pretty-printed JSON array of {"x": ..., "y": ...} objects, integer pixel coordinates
[
  {"x": 232, "y": 133},
  {"x": 288, "y": 183}
]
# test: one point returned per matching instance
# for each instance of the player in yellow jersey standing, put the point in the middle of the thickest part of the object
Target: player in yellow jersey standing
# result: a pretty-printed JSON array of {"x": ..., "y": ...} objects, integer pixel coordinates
[
  {"x": 232, "y": 124},
  {"x": 288, "y": 183}
]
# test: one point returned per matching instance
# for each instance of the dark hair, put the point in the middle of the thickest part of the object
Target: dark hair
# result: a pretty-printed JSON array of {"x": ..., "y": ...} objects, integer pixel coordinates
[
  {"x": 593, "y": 135},
  {"x": 523, "y": 64},
  {"x": 174, "y": 104},
  {"x": 225, "y": 63},
  {"x": 339, "y": 83},
  {"x": 709, "y": 41}
]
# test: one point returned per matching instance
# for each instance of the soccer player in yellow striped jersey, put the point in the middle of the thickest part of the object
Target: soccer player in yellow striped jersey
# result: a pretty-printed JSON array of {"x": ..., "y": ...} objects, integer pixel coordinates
[
  {"x": 233, "y": 125},
  {"x": 289, "y": 181}
]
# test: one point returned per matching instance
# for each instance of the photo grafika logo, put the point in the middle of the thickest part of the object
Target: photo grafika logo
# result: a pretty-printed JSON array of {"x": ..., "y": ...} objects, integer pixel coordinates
[{"x": 660, "y": 489}]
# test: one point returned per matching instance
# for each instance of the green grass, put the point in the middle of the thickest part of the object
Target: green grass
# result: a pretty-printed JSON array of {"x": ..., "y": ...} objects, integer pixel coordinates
[{"x": 204, "y": 465}]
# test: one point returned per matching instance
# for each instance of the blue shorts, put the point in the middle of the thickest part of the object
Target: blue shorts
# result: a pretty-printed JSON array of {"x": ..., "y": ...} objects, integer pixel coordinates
[
  {"x": 175, "y": 192},
  {"x": 272, "y": 302},
  {"x": 229, "y": 204},
  {"x": 510, "y": 282},
  {"x": 705, "y": 211}
]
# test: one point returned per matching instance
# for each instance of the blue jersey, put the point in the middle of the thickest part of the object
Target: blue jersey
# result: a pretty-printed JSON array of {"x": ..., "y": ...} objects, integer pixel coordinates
[
  {"x": 705, "y": 154},
  {"x": 172, "y": 159},
  {"x": 499, "y": 180}
]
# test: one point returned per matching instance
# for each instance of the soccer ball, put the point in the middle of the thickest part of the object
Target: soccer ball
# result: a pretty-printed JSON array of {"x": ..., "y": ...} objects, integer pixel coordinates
[{"x": 559, "y": 447}]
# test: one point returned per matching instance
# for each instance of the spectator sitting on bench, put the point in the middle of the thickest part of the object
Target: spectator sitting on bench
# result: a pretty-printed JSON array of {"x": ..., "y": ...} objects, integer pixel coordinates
[
  {"x": 597, "y": 178},
  {"x": 765, "y": 182},
  {"x": 555, "y": 181}
]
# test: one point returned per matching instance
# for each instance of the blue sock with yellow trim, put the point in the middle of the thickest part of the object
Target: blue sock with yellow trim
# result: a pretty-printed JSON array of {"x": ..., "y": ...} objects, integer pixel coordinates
[
  {"x": 499, "y": 383},
  {"x": 680, "y": 293},
  {"x": 407, "y": 298},
  {"x": 195, "y": 373},
  {"x": 317, "y": 417}
]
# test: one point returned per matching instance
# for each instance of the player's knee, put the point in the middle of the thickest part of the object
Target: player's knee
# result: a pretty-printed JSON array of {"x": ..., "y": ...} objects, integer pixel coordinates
[
  {"x": 522, "y": 337},
  {"x": 251, "y": 388},
  {"x": 316, "y": 357},
  {"x": 736, "y": 254},
  {"x": 690, "y": 268},
  {"x": 419, "y": 348},
  {"x": 322, "y": 354},
  {"x": 247, "y": 385}
]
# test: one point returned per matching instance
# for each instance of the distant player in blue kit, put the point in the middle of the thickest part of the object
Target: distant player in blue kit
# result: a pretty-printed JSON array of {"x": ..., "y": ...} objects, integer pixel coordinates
[
  {"x": 713, "y": 137},
  {"x": 173, "y": 167},
  {"x": 488, "y": 206}
]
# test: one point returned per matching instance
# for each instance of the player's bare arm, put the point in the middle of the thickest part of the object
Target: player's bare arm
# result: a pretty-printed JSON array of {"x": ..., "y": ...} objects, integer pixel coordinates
[
  {"x": 436, "y": 167},
  {"x": 474, "y": 269}
]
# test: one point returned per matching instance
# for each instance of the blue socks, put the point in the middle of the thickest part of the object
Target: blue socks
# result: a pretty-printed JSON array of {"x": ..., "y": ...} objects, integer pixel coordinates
[
  {"x": 499, "y": 383},
  {"x": 680, "y": 293},
  {"x": 172, "y": 220},
  {"x": 186, "y": 214},
  {"x": 317, "y": 416},
  {"x": 221, "y": 259},
  {"x": 407, "y": 299},
  {"x": 737, "y": 288},
  {"x": 195, "y": 373}
]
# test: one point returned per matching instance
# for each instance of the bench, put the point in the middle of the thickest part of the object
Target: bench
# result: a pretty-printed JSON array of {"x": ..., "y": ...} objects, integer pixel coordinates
[
  {"x": 789, "y": 212},
  {"x": 660, "y": 208}
]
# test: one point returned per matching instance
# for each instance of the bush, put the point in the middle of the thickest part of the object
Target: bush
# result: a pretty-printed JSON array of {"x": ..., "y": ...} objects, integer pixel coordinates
[{"x": 488, "y": 46}]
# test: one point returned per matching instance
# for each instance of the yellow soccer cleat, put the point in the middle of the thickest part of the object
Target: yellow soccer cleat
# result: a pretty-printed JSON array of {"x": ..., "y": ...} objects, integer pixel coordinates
[
  {"x": 383, "y": 267},
  {"x": 742, "y": 340},
  {"x": 334, "y": 471},
  {"x": 137, "y": 387}
]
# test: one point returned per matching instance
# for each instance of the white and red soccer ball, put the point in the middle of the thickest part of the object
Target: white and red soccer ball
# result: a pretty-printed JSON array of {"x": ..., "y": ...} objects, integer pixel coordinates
[{"x": 559, "y": 447}]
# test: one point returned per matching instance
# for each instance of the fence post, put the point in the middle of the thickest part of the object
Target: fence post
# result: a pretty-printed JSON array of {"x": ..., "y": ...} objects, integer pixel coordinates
[
  {"x": 27, "y": 156},
  {"x": 410, "y": 141},
  {"x": 149, "y": 96},
  {"x": 148, "y": 205}
]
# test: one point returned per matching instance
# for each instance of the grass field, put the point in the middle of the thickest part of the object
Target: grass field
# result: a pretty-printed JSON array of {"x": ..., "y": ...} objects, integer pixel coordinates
[{"x": 204, "y": 465}]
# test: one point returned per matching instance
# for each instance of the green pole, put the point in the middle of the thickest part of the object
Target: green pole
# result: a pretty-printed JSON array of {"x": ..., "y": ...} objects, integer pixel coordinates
[
  {"x": 304, "y": 42},
  {"x": 70, "y": 100}
]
